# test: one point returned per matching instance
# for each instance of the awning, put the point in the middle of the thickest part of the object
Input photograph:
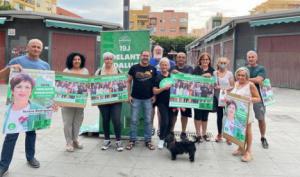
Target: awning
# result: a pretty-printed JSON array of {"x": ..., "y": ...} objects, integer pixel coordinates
[
  {"x": 273, "y": 21},
  {"x": 219, "y": 33},
  {"x": 74, "y": 26},
  {"x": 2, "y": 20}
]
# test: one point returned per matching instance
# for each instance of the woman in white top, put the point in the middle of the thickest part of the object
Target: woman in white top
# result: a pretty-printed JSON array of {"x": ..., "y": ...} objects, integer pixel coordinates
[
  {"x": 225, "y": 82},
  {"x": 73, "y": 117},
  {"x": 246, "y": 88}
]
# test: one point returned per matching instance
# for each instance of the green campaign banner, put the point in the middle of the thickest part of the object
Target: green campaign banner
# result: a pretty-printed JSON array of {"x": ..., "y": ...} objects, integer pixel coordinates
[
  {"x": 29, "y": 100},
  {"x": 267, "y": 92},
  {"x": 235, "y": 118},
  {"x": 71, "y": 89},
  {"x": 126, "y": 45},
  {"x": 108, "y": 89},
  {"x": 192, "y": 91}
]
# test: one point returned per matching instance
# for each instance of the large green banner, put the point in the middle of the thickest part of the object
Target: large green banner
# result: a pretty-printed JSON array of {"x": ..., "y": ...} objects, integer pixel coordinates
[
  {"x": 29, "y": 100},
  {"x": 126, "y": 45},
  {"x": 236, "y": 118},
  {"x": 109, "y": 89},
  {"x": 192, "y": 91},
  {"x": 71, "y": 89}
]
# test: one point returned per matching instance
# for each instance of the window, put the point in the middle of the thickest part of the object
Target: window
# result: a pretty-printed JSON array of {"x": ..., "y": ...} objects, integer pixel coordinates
[
  {"x": 173, "y": 20},
  {"x": 153, "y": 21},
  {"x": 162, "y": 30},
  {"x": 183, "y": 30},
  {"x": 182, "y": 20},
  {"x": 172, "y": 30}
]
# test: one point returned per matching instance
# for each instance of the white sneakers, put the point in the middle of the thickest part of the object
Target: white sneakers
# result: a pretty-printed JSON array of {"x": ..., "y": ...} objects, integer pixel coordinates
[{"x": 161, "y": 144}]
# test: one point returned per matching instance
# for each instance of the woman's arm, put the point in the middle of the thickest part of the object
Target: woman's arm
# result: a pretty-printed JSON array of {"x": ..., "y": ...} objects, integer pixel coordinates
[{"x": 254, "y": 92}]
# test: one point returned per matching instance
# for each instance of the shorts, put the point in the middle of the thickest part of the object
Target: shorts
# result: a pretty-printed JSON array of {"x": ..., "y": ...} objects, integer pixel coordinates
[
  {"x": 259, "y": 110},
  {"x": 186, "y": 113},
  {"x": 200, "y": 114}
]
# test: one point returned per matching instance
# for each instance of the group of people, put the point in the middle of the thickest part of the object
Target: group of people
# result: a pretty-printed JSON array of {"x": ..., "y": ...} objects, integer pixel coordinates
[{"x": 144, "y": 94}]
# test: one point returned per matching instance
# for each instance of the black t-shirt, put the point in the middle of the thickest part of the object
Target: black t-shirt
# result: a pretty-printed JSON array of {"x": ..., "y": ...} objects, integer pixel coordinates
[
  {"x": 185, "y": 69},
  {"x": 143, "y": 81},
  {"x": 164, "y": 96},
  {"x": 199, "y": 71}
]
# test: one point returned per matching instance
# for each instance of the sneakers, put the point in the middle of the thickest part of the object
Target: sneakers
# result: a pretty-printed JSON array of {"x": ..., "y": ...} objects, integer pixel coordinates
[
  {"x": 34, "y": 163},
  {"x": 106, "y": 144},
  {"x": 264, "y": 143},
  {"x": 119, "y": 146},
  {"x": 69, "y": 148},
  {"x": 3, "y": 172},
  {"x": 77, "y": 145},
  {"x": 183, "y": 136},
  {"x": 160, "y": 144}
]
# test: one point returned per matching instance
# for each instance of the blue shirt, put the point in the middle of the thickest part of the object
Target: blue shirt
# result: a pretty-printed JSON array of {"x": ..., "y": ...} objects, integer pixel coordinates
[
  {"x": 28, "y": 63},
  {"x": 155, "y": 63}
]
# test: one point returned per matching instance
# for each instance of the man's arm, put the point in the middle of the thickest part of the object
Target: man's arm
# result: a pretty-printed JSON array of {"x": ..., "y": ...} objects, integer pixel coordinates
[{"x": 129, "y": 81}]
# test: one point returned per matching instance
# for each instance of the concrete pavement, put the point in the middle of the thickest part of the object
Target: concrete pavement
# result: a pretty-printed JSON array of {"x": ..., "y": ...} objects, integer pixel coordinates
[{"x": 282, "y": 159}]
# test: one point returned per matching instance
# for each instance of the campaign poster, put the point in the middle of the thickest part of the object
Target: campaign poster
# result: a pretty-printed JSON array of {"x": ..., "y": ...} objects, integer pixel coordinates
[
  {"x": 235, "y": 118},
  {"x": 125, "y": 45},
  {"x": 267, "y": 93},
  {"x": 29, "y": 100},
  {"x": 109, "y": 89},
  {"x": 71, "y": 89},
  {"x": 192, "y": 91}
]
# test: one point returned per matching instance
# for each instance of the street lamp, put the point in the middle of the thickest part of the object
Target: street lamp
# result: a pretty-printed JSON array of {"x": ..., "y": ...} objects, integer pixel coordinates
[{"x": 126, "y": 14}]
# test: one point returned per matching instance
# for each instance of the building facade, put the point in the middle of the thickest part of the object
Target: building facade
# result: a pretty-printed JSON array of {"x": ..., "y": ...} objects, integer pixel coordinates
[
  {"x": 169, "y": 23},
  {"x": 275, "y": 5},
  {"x": 275, "y": 37},
  {"x": 139, "y": 19},
  {"x": 46, "y": 6},
  {"x": 61, "y": 35}
]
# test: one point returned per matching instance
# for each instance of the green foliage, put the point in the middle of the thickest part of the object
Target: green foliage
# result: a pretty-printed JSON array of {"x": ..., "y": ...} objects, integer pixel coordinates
[
  {"x": 5, "y": 6},
  {"x": 177, "y": 44}
]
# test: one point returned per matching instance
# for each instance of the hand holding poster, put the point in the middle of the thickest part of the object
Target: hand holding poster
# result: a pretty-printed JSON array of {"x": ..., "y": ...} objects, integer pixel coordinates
[
  {"x": 222, "y": 98},
  {"x": 109, "y": 89},
  {"x": 71, "y": 89},
  {"x": 192, "y": 91},
  {"x": 29, "y": 101},
  {"x": 267, "y": 92},
  {"x": 236, "y": 118}
]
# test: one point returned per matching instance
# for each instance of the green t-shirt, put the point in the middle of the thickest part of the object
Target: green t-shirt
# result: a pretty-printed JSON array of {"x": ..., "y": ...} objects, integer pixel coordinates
[{"x": 255, "y": 71}]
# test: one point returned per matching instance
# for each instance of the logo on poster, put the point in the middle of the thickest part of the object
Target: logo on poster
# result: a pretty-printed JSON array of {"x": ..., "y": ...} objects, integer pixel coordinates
[{"x": 124, "y": 43}]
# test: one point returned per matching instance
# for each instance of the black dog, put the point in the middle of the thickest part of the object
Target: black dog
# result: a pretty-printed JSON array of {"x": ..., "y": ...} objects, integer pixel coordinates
[{"x": 180, "y": 147}]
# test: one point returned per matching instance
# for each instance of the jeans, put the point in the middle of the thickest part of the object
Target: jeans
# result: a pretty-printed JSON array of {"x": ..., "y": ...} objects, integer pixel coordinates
[
  {"x": 136, "y": 106},
  {"x": 111, "y": 112},
  {"x": 9, "y": 146}
]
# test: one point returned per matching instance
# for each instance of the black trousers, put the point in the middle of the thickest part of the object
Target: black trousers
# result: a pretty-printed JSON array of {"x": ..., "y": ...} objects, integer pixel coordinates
[
  {"x": 166, "y": 116},
  {"x": 111, "y": 112}
]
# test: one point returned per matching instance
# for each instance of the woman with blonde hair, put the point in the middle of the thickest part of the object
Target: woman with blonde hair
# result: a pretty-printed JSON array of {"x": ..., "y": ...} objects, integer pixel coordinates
[
  {"x": 225, "y": 83},
  {"x": 247, "y": 89}
]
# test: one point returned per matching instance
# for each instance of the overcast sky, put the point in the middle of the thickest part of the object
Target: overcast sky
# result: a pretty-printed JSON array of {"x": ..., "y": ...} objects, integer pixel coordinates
[{"x": 199, "y": 10}]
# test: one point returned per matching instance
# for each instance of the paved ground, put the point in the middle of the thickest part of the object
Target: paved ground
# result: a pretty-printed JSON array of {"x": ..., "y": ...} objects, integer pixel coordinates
[{"x": 212, "y": 159}]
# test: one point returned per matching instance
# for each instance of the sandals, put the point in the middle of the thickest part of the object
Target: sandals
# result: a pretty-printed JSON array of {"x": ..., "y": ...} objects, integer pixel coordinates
[
  {"x": 130, "y": 145},
  {"x": 218, "y": 138},
  {"x": 206, "y": 138},
  {"x": 247, "y": 157},
  {"x": 150, "y": 146},
  {"x": 237, "y": 152}
]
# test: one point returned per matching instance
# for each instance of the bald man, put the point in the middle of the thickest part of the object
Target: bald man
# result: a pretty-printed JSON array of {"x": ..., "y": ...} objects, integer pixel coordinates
[
  {"x": 257, "y": 76},
  {"x": 29, "y": 61}
]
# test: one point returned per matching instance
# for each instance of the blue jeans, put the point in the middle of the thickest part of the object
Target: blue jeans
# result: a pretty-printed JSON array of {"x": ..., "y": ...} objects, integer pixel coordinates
[
  {"x": 9, "y": 146},
  {"x": 136, "y": 106}
]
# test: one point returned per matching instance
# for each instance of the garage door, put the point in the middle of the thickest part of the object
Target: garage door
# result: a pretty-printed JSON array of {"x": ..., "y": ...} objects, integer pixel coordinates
[
  {"x": 2, "y": 52},
  {"x": 63, "y": 44},
  {"x": 281, "y": 57}
]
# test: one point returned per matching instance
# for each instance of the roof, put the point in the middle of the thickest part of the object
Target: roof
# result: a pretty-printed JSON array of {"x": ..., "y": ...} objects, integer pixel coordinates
[
  {"x": 246, "y": 19},
  {"x": 65, "y": 12},
  {"x": 44, "y": 16}
]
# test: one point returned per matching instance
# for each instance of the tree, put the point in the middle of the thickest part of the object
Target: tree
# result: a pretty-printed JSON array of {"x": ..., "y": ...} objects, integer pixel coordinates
[
  {"x": 177, "y": 44},
  {"x": 5, "y": 5}
]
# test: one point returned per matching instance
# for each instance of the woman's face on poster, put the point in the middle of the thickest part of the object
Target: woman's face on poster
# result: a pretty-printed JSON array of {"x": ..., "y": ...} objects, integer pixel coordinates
[
  {"x": 22, "y": 91},
  {"x": 231, "y": 112}
]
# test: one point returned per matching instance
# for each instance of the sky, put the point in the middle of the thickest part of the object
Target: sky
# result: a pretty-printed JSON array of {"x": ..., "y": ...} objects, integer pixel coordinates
[{"x": 199, "y": 10}]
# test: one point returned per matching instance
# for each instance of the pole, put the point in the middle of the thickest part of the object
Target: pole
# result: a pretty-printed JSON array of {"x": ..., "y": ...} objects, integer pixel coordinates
[{"x": 126, "y": 7}]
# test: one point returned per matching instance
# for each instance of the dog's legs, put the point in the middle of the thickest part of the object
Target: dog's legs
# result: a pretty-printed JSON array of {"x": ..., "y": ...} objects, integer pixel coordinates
[
  {"x": 192, "y": 156},
  {"x": 173, "y": 156}
]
